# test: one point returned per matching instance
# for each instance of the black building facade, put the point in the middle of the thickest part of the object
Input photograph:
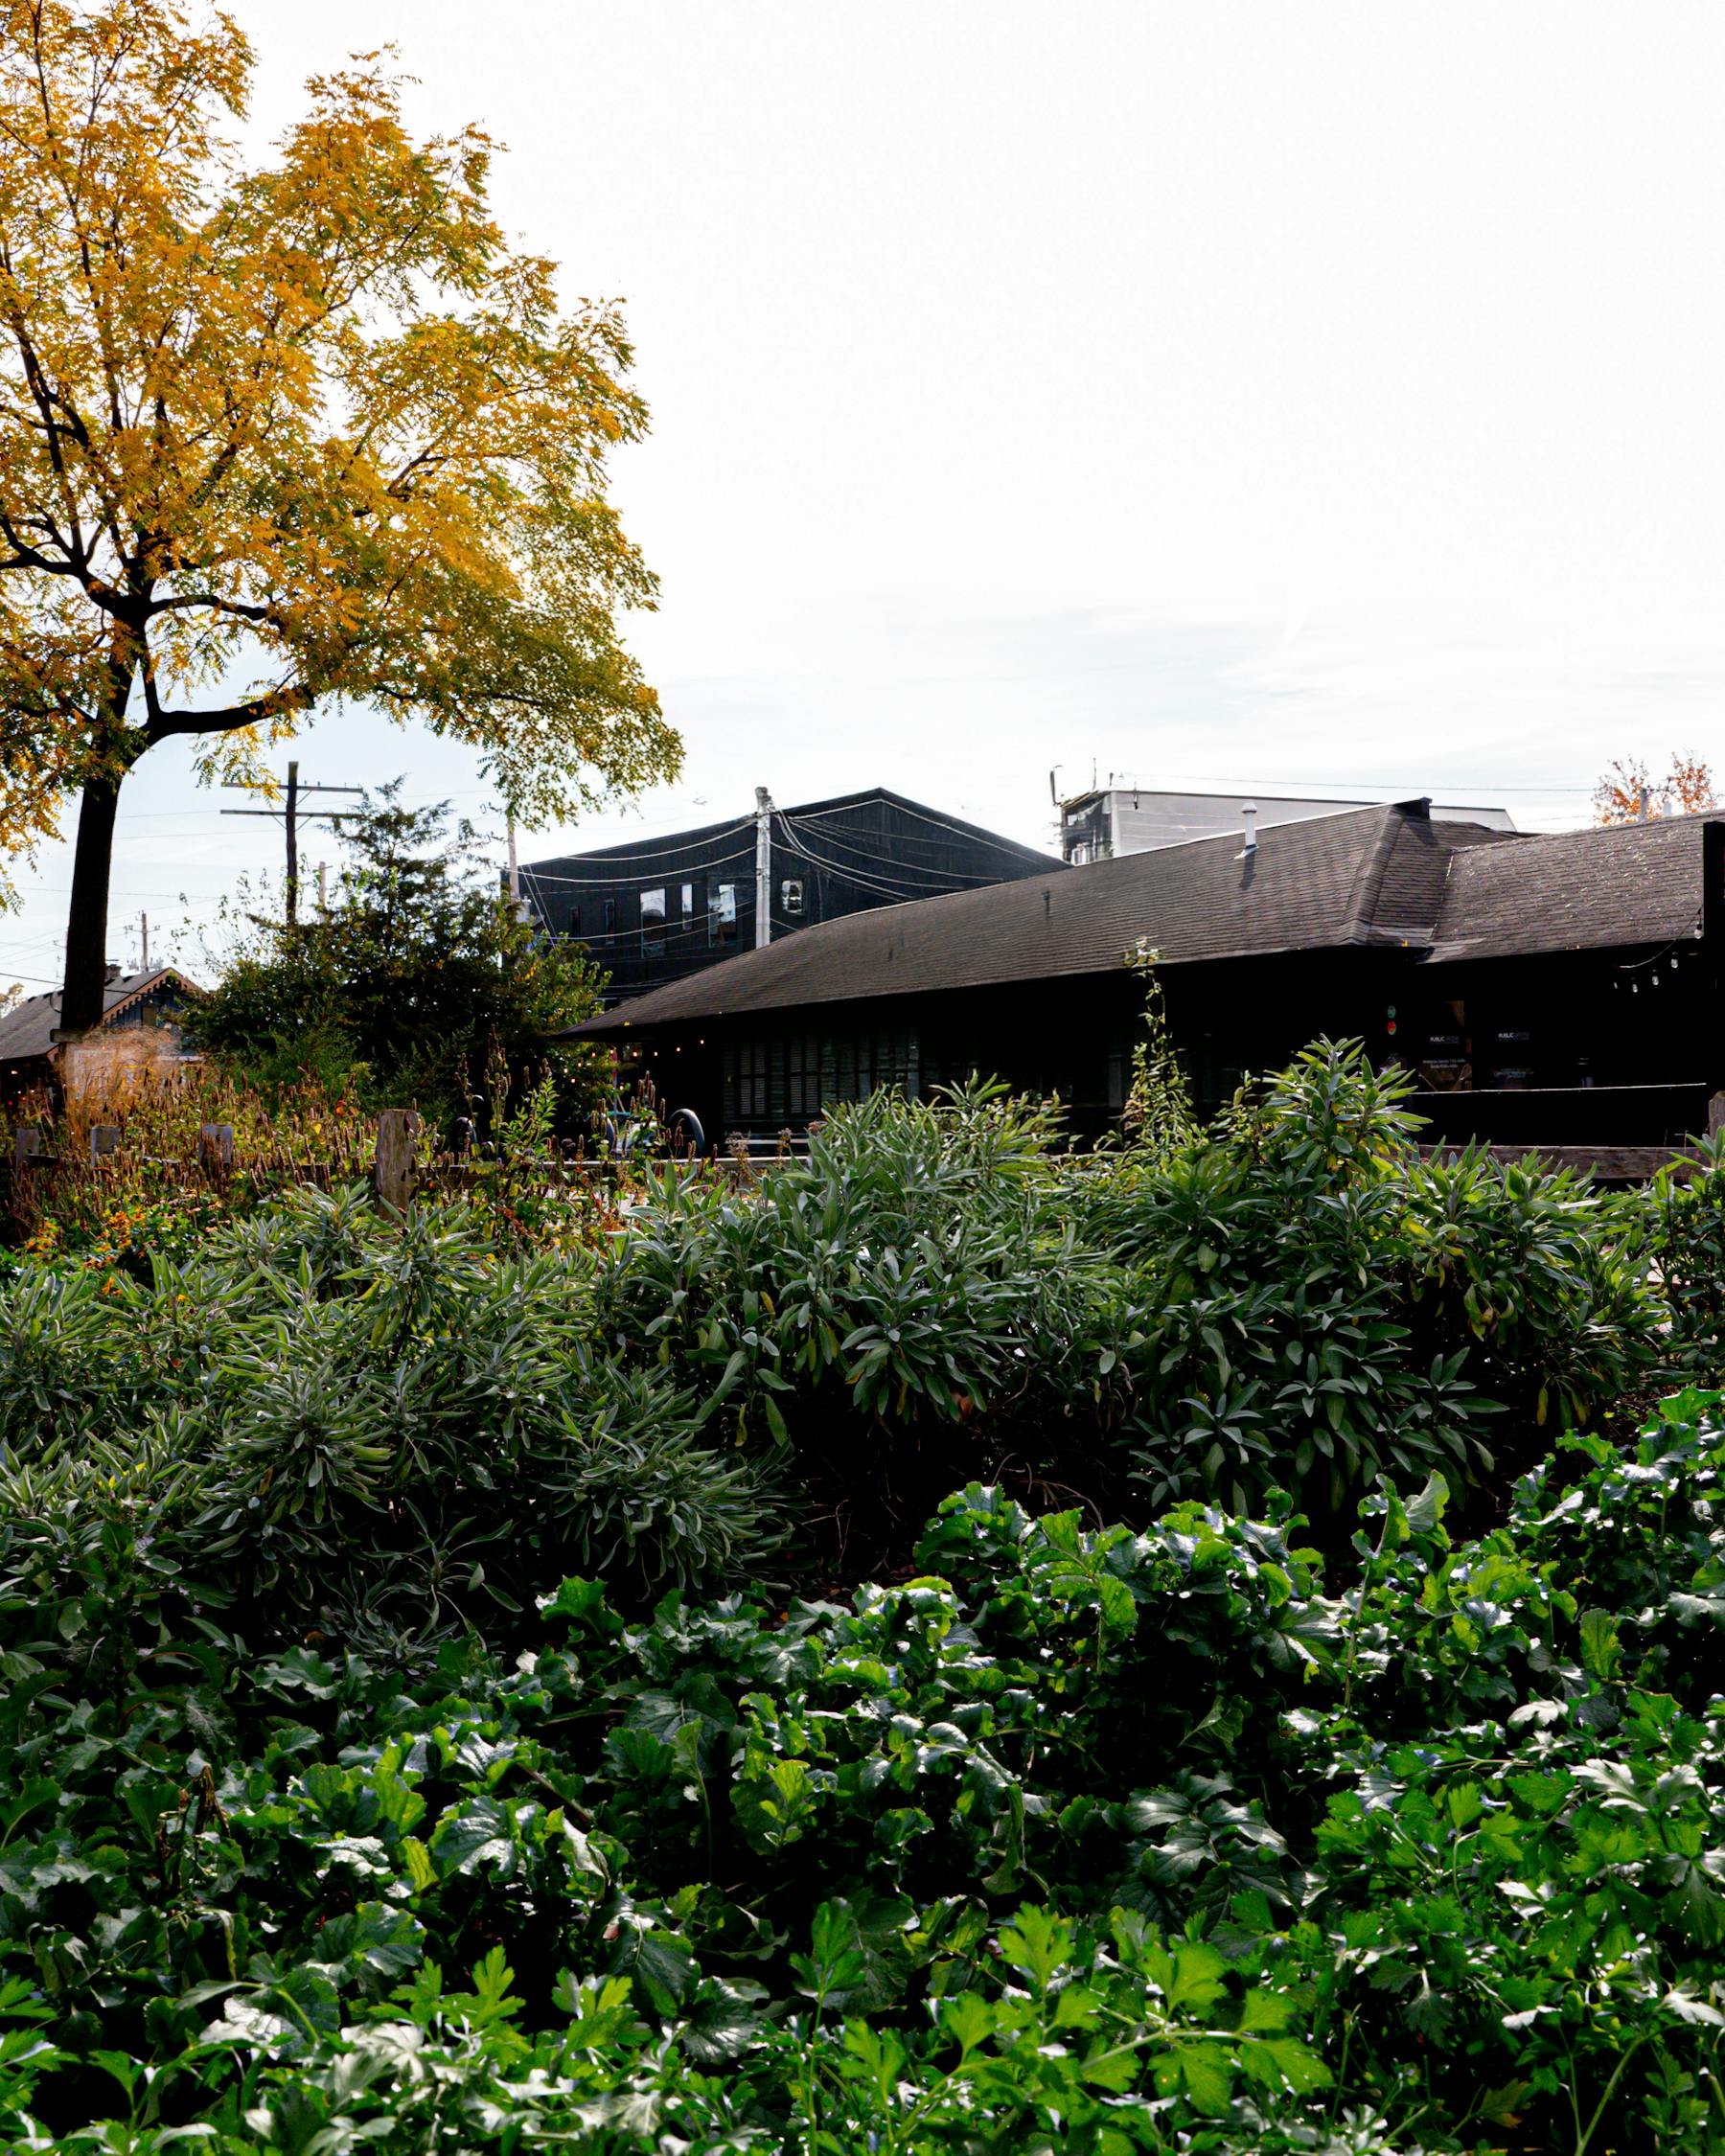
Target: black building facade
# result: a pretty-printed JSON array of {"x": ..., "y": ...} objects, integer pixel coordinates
[
  {"x": 658, "y": 910},
  {"x": 1554, "y": 990}
]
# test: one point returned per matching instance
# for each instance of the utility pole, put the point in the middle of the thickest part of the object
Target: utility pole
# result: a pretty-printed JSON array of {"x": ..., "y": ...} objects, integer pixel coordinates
[
  {"x": 523, "y": 910},
  {"x": 763, "y": 867},
  {"x": 323, "y": 887},
  {"x": 292, "y": 905},
  {"x": 293, "y": 791},
  {"x": 143, "y": 924}
]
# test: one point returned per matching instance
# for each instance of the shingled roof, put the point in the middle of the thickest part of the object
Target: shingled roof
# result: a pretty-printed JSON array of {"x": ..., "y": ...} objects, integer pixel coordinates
[
  {"x": 1575, "y": 890},
  {"x": 1373, "y": 875},
  {"x": 27, "y": 1029}
]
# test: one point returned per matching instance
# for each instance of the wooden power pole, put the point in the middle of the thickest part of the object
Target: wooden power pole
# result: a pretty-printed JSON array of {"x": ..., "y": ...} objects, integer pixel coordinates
[
  {"x": 290, "y": 814},
  {"x": 290, "y": 906}
]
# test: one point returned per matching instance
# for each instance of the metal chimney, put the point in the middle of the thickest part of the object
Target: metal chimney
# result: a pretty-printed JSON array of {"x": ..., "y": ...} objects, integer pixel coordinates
[{"x": 1249, "y": 818}]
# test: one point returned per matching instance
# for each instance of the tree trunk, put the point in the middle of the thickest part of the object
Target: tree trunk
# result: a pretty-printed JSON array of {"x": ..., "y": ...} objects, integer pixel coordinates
[
  {"x": 82, "y": 996},
  {"x": 86, "y": 917}
]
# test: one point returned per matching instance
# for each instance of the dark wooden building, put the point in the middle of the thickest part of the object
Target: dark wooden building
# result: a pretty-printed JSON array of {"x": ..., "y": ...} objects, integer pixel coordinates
[
  {"x": 1546, "y": 989},
  {"x": 658, "y": 910}
]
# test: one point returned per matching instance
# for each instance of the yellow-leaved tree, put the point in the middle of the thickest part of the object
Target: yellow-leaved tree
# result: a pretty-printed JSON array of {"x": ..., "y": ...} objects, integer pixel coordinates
[
  {"x": 1629, "y": 792},
  {"x": 280, "y": 433}
]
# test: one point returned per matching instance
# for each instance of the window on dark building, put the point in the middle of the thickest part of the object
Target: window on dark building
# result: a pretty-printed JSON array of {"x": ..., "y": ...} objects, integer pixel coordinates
[
  {"x": 610, "y": 915},
  {"x": 791, "y": 898},
  {"x": 653, "y": 923},
  {"x": 689, "y": 902},
  {"x": 722, "y": 914},
  {"x": 751, "y": 1079},
  {"x": 803, "y": 1075}
]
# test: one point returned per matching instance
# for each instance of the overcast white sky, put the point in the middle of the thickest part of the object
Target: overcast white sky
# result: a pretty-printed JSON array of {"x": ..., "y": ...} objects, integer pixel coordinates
[{"x": 1240, "y": 395}]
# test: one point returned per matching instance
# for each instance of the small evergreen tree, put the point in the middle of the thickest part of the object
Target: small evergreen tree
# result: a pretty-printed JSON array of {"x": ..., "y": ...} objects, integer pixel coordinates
[{"x": 420, "y": 984}]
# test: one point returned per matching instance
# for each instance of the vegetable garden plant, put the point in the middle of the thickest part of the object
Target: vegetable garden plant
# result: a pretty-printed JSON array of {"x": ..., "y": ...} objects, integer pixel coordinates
[{"x": 465, "y": 1699}]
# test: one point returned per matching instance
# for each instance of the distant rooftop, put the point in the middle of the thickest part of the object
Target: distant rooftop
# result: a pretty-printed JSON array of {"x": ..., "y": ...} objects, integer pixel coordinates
[
  {"x": 696, "y": 837},
  {"x": 1366, "y": 876},
  {"x": 1393, "y": 876},
  {"x": 1108, "y": 821},
  {"x": 27, "y": 1029}
]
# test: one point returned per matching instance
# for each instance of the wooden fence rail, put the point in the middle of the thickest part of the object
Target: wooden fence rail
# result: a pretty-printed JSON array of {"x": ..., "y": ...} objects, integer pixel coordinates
[
  {"x": 401, "y": 1168},
  {"x": 1605, "y": 1163}
]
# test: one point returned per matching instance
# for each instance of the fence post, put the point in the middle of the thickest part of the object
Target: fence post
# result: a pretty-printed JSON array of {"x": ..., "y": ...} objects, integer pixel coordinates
[
  {"x": 105, "y": 1138},
  {"x": 27, "y": 1145},
  {"x": 397, "y": 1129},
  {"x": 215, "y": 1147}
]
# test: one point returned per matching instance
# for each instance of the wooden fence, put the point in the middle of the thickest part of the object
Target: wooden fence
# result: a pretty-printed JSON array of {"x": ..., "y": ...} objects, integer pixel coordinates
[
  {"x": 1605, "y": 1163},
  {"x": 397, "y": 1163},
  {"x": 400, "y": 1168}
]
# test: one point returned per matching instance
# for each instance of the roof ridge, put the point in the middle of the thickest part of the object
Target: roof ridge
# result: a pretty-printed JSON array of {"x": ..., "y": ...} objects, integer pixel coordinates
[
  {"x": 1361, "y": 918},
  {"x": 143, "y": 983},
  {"x": 1197, "y": 899},
  {"x": 625, "y": 849}
]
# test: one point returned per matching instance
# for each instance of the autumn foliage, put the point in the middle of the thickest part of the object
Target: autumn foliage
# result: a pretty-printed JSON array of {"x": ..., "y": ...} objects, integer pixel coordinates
[
  {"x": 1628, "y": 793},
  {"x": 280, "y": 434}
]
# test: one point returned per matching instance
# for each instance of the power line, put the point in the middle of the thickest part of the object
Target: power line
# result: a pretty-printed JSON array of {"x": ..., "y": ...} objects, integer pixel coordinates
[
  {"x": 650, "y": 850},
  {"x": 672, "y": 931},
  {"x": 1125, "y": 782},
  {"x": 858, "y": 880},
  {"x": 126, "y": 890},
  {"x": 884, "y": 882},
  {"x": 928, "y": 875},
  {"x": 970, "y": 831},
  {"x": 645, "y": 878},
  {"x": 853, "y": 877}
]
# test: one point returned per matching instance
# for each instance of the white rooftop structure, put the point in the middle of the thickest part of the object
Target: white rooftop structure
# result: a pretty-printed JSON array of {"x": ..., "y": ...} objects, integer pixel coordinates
[{"x": 1112, "y": 820}]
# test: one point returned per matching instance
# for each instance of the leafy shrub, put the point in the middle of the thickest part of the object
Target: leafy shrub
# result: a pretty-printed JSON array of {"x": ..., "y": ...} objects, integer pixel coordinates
[
  {"x": 1681, "y": 1218},
  {"x": 937, "y": 1294},
  {"x": 378, "y": 1765},
  {"x": 1294, "y": 1296},
  {"x": 1319, "y": 1301},
  {"x": 1092, "y": 1840},
  {"x": 354, "y": 1416},
  {"x": 872, "y": 1313}
]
